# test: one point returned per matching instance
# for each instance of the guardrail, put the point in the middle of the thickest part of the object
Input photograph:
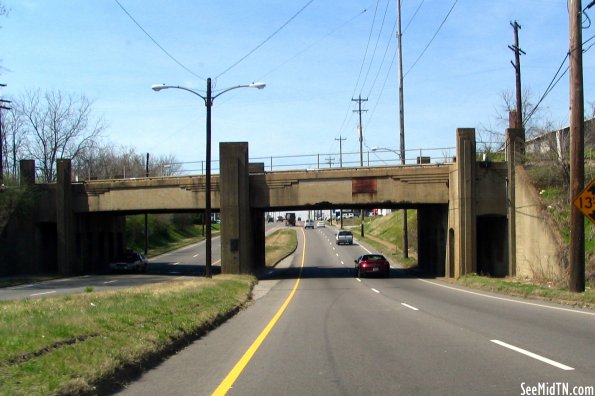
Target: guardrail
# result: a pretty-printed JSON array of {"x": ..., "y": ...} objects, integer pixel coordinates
[{"x": 376, "y": 157}]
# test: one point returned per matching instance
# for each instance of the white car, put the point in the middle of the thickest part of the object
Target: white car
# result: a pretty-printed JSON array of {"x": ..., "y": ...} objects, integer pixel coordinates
[
  {"x": 320, "y": 224},
  {"x": 309, "y": 223}
]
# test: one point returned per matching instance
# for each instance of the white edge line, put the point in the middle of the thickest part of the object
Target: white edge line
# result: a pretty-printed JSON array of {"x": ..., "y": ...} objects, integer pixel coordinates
[
  {"x": 375, "y": 291},
  {"x": 40, "y": 294},
  {"x": 533, "y": 355},
  {"x": 508, "y": 299},
  {"x": 410, "y": 307},
  {"x": 108, "y": 282}
]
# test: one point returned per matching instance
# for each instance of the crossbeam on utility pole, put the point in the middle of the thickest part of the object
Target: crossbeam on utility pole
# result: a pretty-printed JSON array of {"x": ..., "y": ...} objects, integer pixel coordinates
[
  {"x": 340, "y": 139},
  {"x": 517, "y": 69},
  {"x": 359, "y": 110}
]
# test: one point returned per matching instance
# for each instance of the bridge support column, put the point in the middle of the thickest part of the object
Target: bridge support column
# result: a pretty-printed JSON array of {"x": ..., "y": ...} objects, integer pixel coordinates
[
  {"x": 462, "y": 211},
  {"x": 515, "y": 153},
  {"x": 431, "y": 239},
  {"x": 65, "y": 219},
  {"x": 236, "y": 218}
]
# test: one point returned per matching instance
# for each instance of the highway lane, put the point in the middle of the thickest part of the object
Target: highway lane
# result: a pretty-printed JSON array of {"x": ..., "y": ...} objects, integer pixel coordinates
[
  {"x": 339, "y": 335},
  {"x": 187, "y": 261}
]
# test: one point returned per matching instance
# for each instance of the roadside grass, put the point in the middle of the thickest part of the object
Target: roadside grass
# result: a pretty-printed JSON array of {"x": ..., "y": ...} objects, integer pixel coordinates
[
  {"x": 71, "y": 344},
  {"x": 79, "y": 343},
  {"x": 513, "y": 287},
  {"x": 279, "y": 245}
]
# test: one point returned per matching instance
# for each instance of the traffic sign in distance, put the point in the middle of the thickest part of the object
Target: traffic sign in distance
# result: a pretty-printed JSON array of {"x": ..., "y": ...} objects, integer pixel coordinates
[{"x": 586, "y": 201}]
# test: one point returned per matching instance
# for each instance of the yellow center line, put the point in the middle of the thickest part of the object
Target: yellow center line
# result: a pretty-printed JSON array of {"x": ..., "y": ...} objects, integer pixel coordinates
[{"x": 235, "y": 372}]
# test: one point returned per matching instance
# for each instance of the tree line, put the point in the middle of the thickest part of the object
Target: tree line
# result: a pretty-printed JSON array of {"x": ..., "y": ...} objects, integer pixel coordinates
[{"x": 47, "y": 126}]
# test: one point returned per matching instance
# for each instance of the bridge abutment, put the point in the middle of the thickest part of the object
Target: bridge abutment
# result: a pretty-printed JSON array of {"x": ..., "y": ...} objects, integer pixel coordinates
[
  {"x": 237, "y": 231},
  {"x": 65, "y": 225},
  {"x": 462, "y": 236}
]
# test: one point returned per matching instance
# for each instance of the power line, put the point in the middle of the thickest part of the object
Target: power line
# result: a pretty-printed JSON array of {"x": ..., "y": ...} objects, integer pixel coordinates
[
  {"x": 313, "y": 44},
  {"x": 156, "y": 43},
  {"x": 265, "y": 40},
  {"x": 549, "y": 88},
  {"x": 361, "y": 68},
  {"x": 413, "y": 16},
  {"x": 376, "y": 45},
  {"x": 433, "y": 37},
  {"x": 347, "y": 112}
]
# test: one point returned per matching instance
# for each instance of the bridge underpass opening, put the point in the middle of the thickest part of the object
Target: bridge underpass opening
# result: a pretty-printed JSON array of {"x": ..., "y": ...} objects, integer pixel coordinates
[
  {"x": 427, "y": 231},
  {"x": 491, "y": 245}
]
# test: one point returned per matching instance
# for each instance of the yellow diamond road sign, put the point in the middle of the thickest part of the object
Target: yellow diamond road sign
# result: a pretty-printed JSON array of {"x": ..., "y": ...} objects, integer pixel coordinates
[{"x": 586, "y": 201}]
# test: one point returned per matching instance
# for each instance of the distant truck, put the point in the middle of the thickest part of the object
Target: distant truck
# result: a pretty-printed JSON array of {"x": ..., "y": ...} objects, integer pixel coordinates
[{"x": 290, "y": 219}]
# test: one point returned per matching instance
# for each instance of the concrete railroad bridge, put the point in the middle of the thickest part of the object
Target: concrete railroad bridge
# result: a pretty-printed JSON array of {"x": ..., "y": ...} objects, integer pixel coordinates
[{"x": 462, "y": 210}]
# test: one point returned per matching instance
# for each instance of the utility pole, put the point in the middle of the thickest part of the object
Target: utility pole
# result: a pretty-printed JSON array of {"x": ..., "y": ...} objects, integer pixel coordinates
[
  {"x": 577, "y": 148},
  {"x": 517, "y": 68},
  {"x": 359, "y": 101},
  {"x": 340, "y": 139},
  {"x": 2, "y": 138},
  {"x": 329, "y": 161},
  {"x": 146, "y": 216},
  {"x": 402, "y": 123}
]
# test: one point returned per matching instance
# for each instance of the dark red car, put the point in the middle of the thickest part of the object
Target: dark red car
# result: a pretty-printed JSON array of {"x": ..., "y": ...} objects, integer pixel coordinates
[{"x": 372, "y": 264}]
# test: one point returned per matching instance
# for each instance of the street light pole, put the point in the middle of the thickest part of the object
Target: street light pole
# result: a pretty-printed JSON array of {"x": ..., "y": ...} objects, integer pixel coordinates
[
  {"x": 208, "y": 104},
  {"x": 209, "y": 98}
]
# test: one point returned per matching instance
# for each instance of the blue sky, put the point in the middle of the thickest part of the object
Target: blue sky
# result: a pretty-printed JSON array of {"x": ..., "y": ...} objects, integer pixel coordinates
[{"x": 311, "y": 68}]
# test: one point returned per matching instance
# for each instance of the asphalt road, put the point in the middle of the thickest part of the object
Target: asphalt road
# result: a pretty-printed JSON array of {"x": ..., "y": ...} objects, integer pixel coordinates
[
  {"x": 187, "y": 261},
  {"x": 319, "y": 330}
]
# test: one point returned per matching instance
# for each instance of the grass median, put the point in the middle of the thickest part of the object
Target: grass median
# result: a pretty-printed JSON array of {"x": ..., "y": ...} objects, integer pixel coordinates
[
  {"x": 79, "y": 343},
  {"x": 74, "y": 343},
  {"x": 279, "y": 245}
]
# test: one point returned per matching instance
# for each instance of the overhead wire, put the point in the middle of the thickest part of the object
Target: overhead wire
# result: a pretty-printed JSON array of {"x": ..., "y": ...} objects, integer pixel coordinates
[
  {"x": 266, "y": 39},
  {"x": 549, "y": 88},
  {"x": 376, "y": 45},
  {"x": 156, "y": 43},
  {"x": 360, "y": 69},
  {"x": 432, "y": 39},
  {"x": 412, "y": 17},
  {"x": 557, "y": 78},
  {"x": 313, "y": 44}
]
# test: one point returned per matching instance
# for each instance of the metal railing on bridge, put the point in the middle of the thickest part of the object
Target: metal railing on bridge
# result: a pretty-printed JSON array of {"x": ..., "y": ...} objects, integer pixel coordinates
[{"x": 369, "y": 158}]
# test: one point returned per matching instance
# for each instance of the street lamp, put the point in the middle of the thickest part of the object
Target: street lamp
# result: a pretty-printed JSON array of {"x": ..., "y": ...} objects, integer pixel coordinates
[{"x": 209, "y": 98}]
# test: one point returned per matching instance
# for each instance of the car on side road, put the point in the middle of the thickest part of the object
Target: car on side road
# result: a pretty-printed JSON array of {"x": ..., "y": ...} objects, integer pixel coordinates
[
  {"x": 372, "y": 264},
  {"x": 309, "y": 223},
  {"x": 344, "y": 238},
  {"x": 320, "y": 224},
  {"x": 131, "y": 261}
]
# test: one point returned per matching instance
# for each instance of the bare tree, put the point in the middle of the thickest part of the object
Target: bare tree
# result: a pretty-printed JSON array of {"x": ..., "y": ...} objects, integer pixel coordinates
[
  {"x": 14, "y": 140},
  {"x": 107, "y": 161},
  {"x": 57, "y": 126}
]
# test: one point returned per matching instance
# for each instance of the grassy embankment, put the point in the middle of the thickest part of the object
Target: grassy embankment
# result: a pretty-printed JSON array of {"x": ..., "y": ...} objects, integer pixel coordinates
[
  {"x": 385, "y": 234},
  {"x": 389, "y": 230},
  {"x": 76, "y": 343}
]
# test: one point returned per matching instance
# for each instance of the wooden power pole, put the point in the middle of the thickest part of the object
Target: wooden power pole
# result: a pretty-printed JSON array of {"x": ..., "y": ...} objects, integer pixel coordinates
[
  {"x": 577, "y": 148},
  {"x": 402, "y": 124},
  {"x": 517, "y": 68}
]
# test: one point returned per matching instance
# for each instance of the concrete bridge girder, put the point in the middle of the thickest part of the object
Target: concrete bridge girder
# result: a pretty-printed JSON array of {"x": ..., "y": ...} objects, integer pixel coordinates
[{"x": 449, "y": 197}]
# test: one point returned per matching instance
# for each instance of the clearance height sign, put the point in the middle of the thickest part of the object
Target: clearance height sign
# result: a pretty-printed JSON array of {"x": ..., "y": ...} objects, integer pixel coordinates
[{"x": 586, "y": 201}]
